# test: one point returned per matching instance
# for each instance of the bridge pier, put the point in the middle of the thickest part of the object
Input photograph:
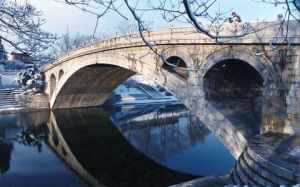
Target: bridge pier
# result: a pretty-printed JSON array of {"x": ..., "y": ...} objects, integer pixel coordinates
[{"x": 293, "y": 97}]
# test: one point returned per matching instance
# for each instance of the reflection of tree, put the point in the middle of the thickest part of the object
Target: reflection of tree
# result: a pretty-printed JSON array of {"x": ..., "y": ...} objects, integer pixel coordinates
[
  {"x": 30, "y": 132},
  {"x": 32, "y": 136},
  {"x": 5, "y": 156},
  {"x": 197, "y": 131}
]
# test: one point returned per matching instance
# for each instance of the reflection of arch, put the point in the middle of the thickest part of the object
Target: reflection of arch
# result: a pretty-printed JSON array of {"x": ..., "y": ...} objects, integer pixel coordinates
[
  {"x": 5, "y": 156},
  {"x": 60, "y": 74},
  {"x": 81, "y": 144},
  {"x": 62, "y": 149},
  {"x": 176, "y": 65},
  {"x": 52, "y": 84}
]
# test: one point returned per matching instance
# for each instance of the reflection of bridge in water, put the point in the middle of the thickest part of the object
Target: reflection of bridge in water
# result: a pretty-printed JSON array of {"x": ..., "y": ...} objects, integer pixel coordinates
[
  {"x": 162, "y": 131},
  {"x": 77, "y": 145},
  {"x": 89, "y": 144},
  {"x": 99, "y": 154},
  {"x": 140, "y": 117}
]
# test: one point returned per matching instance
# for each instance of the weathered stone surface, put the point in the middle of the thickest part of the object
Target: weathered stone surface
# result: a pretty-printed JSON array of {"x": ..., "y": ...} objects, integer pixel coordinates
[
  {"x": 32, "y": 101},
  {"x": 269, "y": 160}
]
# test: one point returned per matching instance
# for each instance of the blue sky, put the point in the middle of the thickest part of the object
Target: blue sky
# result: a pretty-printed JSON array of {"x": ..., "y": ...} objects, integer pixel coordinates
[{"x": 61, "y": 17}]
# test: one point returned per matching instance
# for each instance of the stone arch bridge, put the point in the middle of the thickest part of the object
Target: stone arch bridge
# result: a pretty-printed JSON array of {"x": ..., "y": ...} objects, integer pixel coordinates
[{"x": 198, "y": 67}]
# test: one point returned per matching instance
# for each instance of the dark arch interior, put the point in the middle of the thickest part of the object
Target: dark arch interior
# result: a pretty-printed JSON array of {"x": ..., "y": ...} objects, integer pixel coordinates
[
  {"x": 234, "y": 79},
  {"x": 176, "y": 65},
  {"x": 52, "y": 84},
  {"x": 61, "y": 73}
]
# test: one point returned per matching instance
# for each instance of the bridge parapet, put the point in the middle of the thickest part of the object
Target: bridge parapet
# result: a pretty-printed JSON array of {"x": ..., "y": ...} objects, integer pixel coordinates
[{"x": 264, "y": 33}]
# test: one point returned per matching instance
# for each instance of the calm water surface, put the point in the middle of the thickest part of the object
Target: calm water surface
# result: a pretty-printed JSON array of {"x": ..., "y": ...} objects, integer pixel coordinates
[{"x": 129, "y": 146}]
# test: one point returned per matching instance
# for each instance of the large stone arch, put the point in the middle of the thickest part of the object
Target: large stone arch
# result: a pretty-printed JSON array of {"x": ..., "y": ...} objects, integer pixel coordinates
[
  {"x": 119, "y": 66},
  {"x": 90, "y": 86}
]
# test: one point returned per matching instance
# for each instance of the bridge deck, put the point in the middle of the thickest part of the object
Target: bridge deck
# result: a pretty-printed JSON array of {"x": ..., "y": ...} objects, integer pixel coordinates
[{"x": 267, "y": 32}]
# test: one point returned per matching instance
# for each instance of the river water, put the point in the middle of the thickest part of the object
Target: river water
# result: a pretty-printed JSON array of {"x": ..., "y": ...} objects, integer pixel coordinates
[{"x": 157, "y": 145}]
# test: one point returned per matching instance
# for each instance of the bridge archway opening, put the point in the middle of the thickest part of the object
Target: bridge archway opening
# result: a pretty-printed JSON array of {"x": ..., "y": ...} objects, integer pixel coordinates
[
  {"x": 52, "y": 84},
  {"x": 95, "y": 84},
  {"x": 176, "y": 65},
  {"x": 233, "y": 79},
  {"x": 60, "y": 74},
  {"x": 90, "y": 86}
]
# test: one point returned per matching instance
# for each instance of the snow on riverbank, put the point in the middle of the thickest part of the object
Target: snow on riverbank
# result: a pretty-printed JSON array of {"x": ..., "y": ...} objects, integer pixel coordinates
[{"x": 137, "y": 91}]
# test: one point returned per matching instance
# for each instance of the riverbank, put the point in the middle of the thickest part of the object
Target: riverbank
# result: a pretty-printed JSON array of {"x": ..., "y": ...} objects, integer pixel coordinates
[
  {"x": 14, "y": 101},
  {"x": 20, "y": 110}
]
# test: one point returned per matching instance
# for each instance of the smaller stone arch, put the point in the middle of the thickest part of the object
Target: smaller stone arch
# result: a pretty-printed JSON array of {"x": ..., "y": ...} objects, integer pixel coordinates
[
  {"x": 260, "y": 64},
  {"x": 176, "y": 65},
  {"x": 180, "y": 53},
  {"x": 52, "y": 84},
  {"x": 60, "y": 74},
  {"x": 232, "y": 78}
]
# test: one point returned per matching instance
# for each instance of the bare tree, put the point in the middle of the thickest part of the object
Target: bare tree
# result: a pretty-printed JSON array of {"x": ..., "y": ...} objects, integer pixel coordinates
[
  {"x": 126, "y": 27},
  {"x": 204, "y": 15},
  {"x": 200, "y": 13},
  {"x": 291, "y": 6},
  {"x": 67, "y": 43},
  {"x": 20, "y": 28}
]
